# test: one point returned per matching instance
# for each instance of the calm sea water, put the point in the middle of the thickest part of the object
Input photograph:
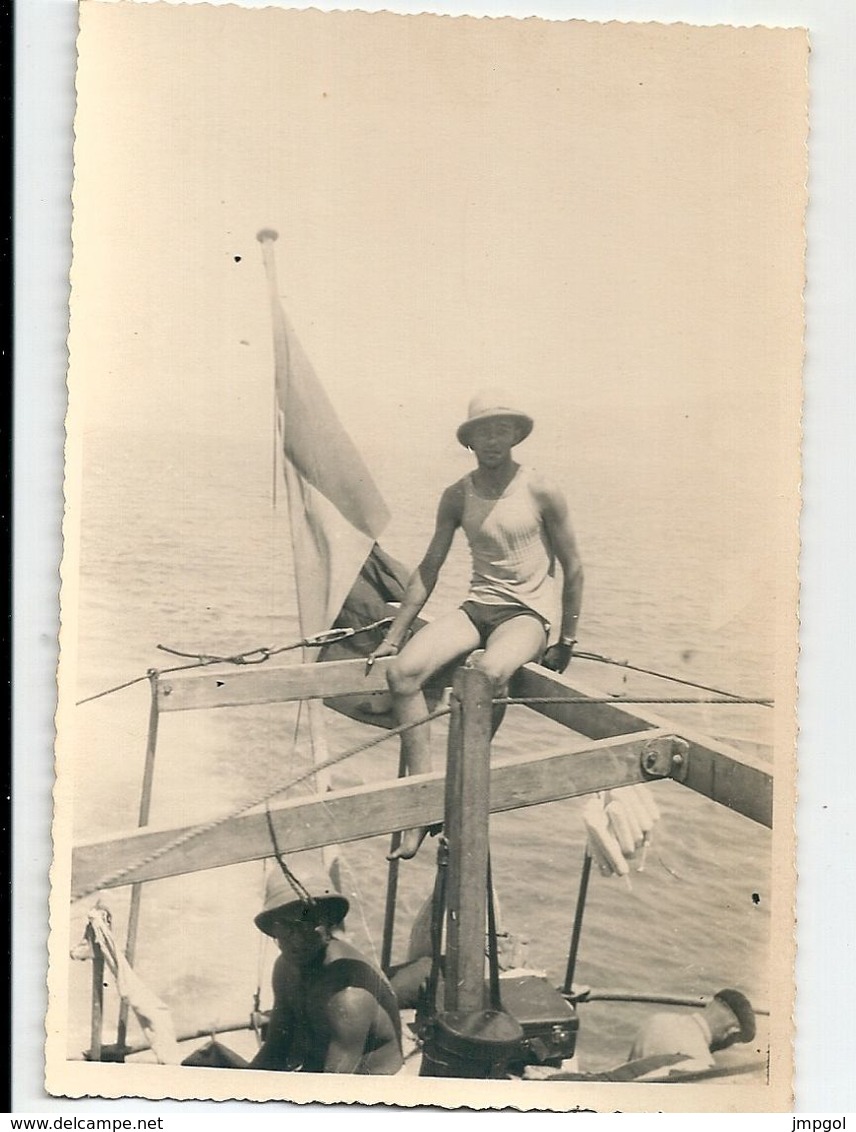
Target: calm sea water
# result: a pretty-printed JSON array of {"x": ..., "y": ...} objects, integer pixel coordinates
[{"x": 181, "y": 546}]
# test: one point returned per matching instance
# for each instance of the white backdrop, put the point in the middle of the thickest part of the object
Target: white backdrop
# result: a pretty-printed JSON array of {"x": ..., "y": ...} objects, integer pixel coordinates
[{"x": 45, "y": 35}]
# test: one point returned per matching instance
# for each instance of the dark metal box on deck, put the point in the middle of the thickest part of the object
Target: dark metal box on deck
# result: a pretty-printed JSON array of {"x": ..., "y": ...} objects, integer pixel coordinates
[{"x": 548, "y": 1020}]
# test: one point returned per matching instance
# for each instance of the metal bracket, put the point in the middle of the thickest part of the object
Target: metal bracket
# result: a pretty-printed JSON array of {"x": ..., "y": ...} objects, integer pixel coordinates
[{"x": 666, "y": 757}]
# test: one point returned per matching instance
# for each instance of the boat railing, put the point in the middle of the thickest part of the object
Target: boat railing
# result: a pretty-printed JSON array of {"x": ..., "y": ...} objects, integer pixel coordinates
[{"x": 627, "y": 744}]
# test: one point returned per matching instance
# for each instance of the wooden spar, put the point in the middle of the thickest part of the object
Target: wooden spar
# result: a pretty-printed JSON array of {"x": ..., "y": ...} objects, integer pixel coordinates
[
  {"x": 594, "y": 720},
  {"x": 180, "y": 692},
  {"x": 711, "y": 768},
  {"x": 467, "y": 806},
  {"x": 740, "y": 781},
  {"x": 331, "y": 855},
  {"x": 360, "y": 812}
]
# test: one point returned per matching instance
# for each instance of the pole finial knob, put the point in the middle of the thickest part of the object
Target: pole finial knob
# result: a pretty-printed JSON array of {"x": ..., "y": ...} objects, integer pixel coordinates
[{"x": 267, "y": 234}]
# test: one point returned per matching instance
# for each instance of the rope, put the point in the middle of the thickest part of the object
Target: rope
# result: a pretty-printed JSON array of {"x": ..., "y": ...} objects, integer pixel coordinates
[
  {"x": 263, "y": 938},
  {"x": 114, "y": 879},
  {"x": 679, "y": 1077},
  {"x": 300, "y": 891},
  {"x": 252, "y": 656},
  {"x": 626, "y": 700},
  {"x": 493, "y": 952},
  {"x": 262, "y": 654},
  {"x": 151, "y": 672},
  {"x": 260, "y": 951},
  {"x": 660, "y": 675},
  {"x": 109, "y": 691},
  {"x": 686, "y": 1077}
]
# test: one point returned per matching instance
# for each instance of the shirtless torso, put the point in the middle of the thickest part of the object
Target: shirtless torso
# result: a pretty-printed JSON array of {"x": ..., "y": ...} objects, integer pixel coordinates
[{"x": 333, "y": 1013}]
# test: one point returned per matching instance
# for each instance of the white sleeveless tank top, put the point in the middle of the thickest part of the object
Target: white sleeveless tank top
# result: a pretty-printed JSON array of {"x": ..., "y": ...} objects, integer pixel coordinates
[{"x": 512, "y": 560}]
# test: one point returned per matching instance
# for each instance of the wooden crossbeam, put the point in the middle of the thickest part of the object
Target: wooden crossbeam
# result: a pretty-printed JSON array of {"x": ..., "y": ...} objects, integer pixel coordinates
[
  {"x": 721, "y": 772},
  {"x": 267, "y": 685},
  {"x": 733, "y": 778},
  {"x": 355, "y": 814},
  {"x": 594, "y": 720}
]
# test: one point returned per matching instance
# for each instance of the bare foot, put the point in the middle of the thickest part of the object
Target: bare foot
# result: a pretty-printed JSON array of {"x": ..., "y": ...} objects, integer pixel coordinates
[{"x": 410, "y": 842}]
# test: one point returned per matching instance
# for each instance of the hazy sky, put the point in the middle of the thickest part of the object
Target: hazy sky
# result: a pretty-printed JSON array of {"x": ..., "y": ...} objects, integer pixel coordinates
[{"x": 607, "y": 220}]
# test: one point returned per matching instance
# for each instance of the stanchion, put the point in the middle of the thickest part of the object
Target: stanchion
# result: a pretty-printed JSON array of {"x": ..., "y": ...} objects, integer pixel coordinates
[
  {"x": 578, "y": 924},
  {"x": 143, "y": 819},
  {"x": 96, "y": 1020},
  {"x": 391, "y": 891}
]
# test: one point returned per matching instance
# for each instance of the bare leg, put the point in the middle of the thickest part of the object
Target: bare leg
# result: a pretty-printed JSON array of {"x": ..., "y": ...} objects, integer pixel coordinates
[
  {"x": 429, "y": 650},
  {"x": 416, "y": 748},
  {"x": 512, "y": 645},
  {"x": 499, "y": 710}
]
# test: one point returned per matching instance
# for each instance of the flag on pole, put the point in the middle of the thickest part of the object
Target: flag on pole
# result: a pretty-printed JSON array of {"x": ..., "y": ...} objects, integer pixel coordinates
[
  {"x": 336, "y": 515},
  {"x": 336, "y": 511}
]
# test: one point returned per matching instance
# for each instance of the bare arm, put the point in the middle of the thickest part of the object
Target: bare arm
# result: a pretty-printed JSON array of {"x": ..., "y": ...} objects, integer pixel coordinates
[
  {"x": 424, "y": 578},
  {"x": 350, "y": 1014},
  {"x": 554, "y": 510},
  {"x": 280, "y": 1049}
]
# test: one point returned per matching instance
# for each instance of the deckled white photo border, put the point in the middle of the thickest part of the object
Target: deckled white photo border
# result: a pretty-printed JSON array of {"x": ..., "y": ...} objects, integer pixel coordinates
[{"x": 45, "y": 91}]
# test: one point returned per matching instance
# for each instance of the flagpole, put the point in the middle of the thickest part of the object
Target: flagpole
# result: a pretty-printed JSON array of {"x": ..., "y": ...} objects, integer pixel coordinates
[
  {"x": 267, "y": 237},
  {"x": 331, "y": 855}
]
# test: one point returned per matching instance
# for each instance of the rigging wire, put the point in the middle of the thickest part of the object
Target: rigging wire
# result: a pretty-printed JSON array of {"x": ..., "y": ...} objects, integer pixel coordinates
[
  {"x": 262, "y": 947},
  {"x": 620, "y": 699},
  {"x": 297, "y": 887},
  {"x": 594, "y": 656},
  {"x": 115, "y": 879},
  {"x": 252, "y": 656},
  {"x": 344, "y": 870},
  {"x": 262, "y": 653},
  {"x": 112, "y": 880}
]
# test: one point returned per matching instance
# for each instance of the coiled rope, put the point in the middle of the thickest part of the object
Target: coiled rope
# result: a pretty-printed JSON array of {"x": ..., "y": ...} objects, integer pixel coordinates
[{"x": 114, "y": 879}]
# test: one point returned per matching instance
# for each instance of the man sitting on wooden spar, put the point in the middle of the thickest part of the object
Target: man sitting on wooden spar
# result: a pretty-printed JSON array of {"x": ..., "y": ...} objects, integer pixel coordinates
[
  {"x": 517, "y": 528},
  {"x": 333, "y": 1010}
]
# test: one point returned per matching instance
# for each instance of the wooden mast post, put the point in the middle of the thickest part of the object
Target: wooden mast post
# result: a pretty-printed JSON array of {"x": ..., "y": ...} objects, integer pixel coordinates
[
  {"x": 466, "y": 829},
  {"x": 466, "y": 1039}
]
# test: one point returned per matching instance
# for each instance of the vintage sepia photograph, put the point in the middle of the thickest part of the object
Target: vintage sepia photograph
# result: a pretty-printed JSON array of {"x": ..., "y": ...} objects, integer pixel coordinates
[{"x": 427, "y": 679}]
